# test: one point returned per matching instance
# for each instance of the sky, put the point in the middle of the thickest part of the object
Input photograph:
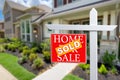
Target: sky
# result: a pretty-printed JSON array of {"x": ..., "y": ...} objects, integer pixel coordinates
[{"x": 27, "y": 3}]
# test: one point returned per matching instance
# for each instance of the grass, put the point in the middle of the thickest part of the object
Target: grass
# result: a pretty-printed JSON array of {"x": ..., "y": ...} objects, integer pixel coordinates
[
  {"x": 71, "y": 77},
  {"x": 10, "y": 63}
]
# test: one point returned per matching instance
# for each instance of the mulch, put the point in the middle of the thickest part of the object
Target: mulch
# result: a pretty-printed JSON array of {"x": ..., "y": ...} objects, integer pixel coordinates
[
  {"x": 83, "y": 74},
  {"x": 28, "y": 65}
]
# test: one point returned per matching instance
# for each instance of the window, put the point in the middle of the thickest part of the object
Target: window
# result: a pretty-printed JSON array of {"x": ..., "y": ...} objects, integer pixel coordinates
[
  {"x": 59, "y": 3},
  {"x": 49, "y": 30},
  {"x": 74, "y": 0},
  {"x": 23, "y": 27},
  {"x": 27, "y": 27},
  {"x": 7, "y": 16},
  {"x": 25, "y": 30},
  {"x": 76, "y": 23}
]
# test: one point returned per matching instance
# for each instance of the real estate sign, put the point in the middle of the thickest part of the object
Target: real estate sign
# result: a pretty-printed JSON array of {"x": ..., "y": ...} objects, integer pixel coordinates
[{"x": 68, "y": 48}]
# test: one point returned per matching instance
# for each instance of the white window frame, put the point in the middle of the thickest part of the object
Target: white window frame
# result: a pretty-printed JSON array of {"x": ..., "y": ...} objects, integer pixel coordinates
[{"x": 25, "y": 30}]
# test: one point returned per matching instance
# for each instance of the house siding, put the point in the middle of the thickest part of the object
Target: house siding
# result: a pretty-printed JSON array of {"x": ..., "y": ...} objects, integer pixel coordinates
[
  {"x": 9, "y": 24},
  {"x": 15, "y": 14},
  {"x": 1, "y": 29}
]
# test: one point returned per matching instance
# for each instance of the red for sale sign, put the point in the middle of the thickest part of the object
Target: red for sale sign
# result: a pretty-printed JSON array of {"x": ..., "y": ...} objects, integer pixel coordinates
[{"x": 68, "y": 48}]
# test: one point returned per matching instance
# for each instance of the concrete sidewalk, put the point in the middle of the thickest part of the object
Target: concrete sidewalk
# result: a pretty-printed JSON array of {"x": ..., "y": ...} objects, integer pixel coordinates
[
  {"x": 58, "y": 72},
  {"x": 5, "y": 75}
]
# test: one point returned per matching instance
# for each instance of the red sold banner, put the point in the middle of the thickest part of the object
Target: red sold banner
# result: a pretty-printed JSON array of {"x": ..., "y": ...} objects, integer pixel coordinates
[{"x": 68, "y": 48}]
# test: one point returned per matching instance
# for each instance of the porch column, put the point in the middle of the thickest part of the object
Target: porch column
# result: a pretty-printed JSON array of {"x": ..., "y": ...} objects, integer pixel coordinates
[
  {"x": 112, "y": 22},
  {"x": 31, "y": 33},
  {"x": 105, "y": 22}
]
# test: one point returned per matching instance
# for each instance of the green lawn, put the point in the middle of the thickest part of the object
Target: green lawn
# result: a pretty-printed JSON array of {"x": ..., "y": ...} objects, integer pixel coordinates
[
  {"x": 71, "y": 77},
  {"x": 10, "y": 63}
]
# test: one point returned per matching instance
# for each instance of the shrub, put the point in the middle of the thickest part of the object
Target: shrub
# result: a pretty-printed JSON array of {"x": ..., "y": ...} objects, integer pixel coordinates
[
  {"x": 34, "y": 50},
  {"x": 45, "y": 45},
  {"x": 26, "y": 53},
  {"x": 2, "y": 49},
  {"x": 2, "y": 40},
  {"x": 108, "y": 58},
  {"x": 37, "y": 63},
  {"x": 102, "y": 69},
  {"x": 32, "y": 57},
  {"x": 84, "y": 66},
  {"x": 34, "y": 44},
  {"x": 114, "y": 70},
  {"x": 46, "y": 56},
  {"x": 20, "y": 49},
  {"x": 5, "y": 46},
  {"x": 15, "y": 40},
  {"x": 25, "y": 47},
  {"x": 22, "y": 60},
  {"x": 13, "y": 48}
]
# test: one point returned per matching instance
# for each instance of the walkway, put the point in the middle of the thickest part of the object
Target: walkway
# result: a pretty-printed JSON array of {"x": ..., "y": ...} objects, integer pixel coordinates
[
  {"x": 5, "y": 75},
  {"x": 58, "y": 72}
]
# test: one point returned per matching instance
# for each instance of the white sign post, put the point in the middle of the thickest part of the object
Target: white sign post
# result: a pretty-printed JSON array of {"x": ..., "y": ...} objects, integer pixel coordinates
[{"x": 93, "y": 28}]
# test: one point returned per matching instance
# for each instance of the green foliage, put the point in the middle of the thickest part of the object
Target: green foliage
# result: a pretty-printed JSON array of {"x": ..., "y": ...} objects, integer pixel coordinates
[
  {"x": 34, "y": 50},
  {"x": 2, "y": 49},
  {"x": 84, "y": 66},
  {"x": 114, "y": 70},
  {"x": 3, "y": 40},
  {"x": 103, "y": 69},
  {"x": 12, "y": 47},
  {"x": 34, "y": 44},
  {"x": 108, "y": 58},
  {"x": 25, "y": 48},
  {"x": 37, "y": 63},
  {"x": 71, "y": 77},
  {"x": 15, "y": 40},
  {"x": 32, "y": 57},
  {"x": 26, "y": 52},
  {"x": 45, "y": 45},
  {"x": 23, "y": 59},
  {"x": 20, "y": 49},
  {"x": 46, "y": 56},
  {"x": 5, "y": 46}
]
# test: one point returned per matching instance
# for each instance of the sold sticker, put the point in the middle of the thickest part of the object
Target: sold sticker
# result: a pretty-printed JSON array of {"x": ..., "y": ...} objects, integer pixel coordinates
[{"x": 68, "y": 48}]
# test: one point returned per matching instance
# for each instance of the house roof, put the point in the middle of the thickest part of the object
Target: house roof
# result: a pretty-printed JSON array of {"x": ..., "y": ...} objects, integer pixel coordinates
[
  {"x": 15, "y": 5},
  {"x": 82, "y": 8},
  {"x": 37, "y": 17}
]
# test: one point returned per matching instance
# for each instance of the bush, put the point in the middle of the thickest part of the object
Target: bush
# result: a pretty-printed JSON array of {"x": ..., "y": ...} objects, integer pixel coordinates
[
  {"x": 32, "y": 57},
  {"x": 46, "y": 56},
  {"x": 25, "y": 48},
  {"x": 108, "y": 58},
  {"x": 114, "y": 70},
  {"x": 34, "y": 50},
  {"x": 11, "y": 47},
  {"x": 84, "y": 66},
  {"x": 26, "y": 53},
  {"x": 5, "y": 46},
  {"x": 45, "y": 45},
  {"x": 102, "y": 69},
  {"x": 2, "y": 49},
  {"x": 22, "y": 60},
  {"x": 15, "y": 40},
  {"x": 37, "y": 63},
  {"x": 3, "y": 40},
  {"x": 20, "y": 49}
]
